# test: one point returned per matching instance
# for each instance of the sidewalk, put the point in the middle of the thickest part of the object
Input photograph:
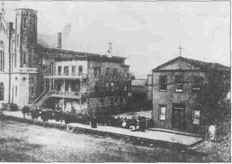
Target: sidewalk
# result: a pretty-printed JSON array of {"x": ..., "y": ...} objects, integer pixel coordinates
[{"x": 148, "y": 134}]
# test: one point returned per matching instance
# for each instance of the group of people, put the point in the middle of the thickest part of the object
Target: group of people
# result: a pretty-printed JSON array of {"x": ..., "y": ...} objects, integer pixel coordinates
[{"x": 134, "y": 124}]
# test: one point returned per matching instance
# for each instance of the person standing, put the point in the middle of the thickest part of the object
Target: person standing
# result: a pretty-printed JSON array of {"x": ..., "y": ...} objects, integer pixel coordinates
[{"x": 94, "y": 122}]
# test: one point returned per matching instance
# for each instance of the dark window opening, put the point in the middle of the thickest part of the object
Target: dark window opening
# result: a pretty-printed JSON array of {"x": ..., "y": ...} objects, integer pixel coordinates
[
  {"x": 73, "y": 70},
  {"x": 179, "y": 82},
  {"x": 66, "y": 70},
  {"x": 163, "y": 83},
  {"x": 80, "y": 70},
  {"x": 59, "y": 70},
  {"x": 24, "y": 58},
  {"x": 97, "y": 71},
  {"x": 1, "y": 91},
  {"x": 107, "y": 71},
  {"x": 115, "y": 72},
  {"x": 111, "y": 101},
  {"x": 196, "y": 83}
]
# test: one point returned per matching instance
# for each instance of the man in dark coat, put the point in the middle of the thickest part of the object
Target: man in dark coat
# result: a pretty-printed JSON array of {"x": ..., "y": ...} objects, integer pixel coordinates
[
  {"x": 25, "y": 110},
  {"x": 94, "y": 122}
]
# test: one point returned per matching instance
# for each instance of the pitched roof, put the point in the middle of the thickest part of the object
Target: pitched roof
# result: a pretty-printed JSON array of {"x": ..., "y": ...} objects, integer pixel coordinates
[{"x": 198, "y": 63}]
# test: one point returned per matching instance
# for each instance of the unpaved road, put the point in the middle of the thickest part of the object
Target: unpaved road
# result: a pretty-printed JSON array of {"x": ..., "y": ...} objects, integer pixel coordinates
[{"x": 21, "y": 142}]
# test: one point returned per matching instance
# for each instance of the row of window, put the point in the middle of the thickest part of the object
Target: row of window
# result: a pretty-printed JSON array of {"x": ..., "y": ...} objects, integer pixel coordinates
[
  {"x": 117, "y": 100},
  {"x": 66, "y": 70},
  {"x": 162, "y": 114},
  {"x": 179, "y": 83},
  {"x": 108, "y": 72},
  {"x": 111, "y": 86}
]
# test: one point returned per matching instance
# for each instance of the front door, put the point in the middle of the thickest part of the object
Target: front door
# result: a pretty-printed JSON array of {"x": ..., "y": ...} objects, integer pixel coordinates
[{"x": 178, "y": 119}]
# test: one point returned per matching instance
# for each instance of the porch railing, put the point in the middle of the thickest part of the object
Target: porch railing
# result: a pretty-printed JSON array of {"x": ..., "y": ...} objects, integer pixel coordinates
[
  {"x": 68, "y": 75},
  {"x": 66, "y": 93}
]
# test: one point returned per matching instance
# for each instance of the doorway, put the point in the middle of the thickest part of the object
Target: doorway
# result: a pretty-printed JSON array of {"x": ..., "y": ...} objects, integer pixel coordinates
[{"x": 178, "y": 117}]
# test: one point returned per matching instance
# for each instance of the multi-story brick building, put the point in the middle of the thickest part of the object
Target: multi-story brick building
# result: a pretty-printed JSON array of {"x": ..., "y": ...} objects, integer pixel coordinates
[
  {"x": 33, "y": 74},
  {"x": 175, "y": 87}
]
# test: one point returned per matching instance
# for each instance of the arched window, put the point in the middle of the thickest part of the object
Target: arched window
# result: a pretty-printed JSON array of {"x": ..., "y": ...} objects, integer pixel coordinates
[
  {"x": 1, "y": 91},
  {"x": 1, "y": 56}
]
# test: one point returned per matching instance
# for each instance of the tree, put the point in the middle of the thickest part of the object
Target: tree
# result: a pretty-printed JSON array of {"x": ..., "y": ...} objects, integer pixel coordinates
[{"x": 211, "y": 99}]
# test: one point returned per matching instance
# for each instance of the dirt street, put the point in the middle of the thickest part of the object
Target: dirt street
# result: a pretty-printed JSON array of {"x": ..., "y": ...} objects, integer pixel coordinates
[{"x": 22, "y": 142}]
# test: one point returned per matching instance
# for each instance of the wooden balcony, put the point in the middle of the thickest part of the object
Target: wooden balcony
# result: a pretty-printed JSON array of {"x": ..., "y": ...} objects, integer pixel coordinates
[{"x": 66, "y": 76}]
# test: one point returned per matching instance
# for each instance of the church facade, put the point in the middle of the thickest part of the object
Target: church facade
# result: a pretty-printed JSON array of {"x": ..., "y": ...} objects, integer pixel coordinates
[
  {"x": 46, "y": 77},
  {"x": 176, "y": 86}
]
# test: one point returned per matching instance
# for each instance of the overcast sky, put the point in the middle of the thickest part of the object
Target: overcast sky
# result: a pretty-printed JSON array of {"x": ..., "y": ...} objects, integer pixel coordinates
[{"x": 147, "y": 33}]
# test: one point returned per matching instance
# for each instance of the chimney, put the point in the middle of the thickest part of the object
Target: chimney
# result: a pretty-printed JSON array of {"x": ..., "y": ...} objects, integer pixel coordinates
[
  {"x": 59, "y": 40},
  {"x": 109, "y": 52}
]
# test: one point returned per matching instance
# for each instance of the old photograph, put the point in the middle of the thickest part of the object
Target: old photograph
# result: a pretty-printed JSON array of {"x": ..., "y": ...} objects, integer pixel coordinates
[{"x": 115, "y": 81}]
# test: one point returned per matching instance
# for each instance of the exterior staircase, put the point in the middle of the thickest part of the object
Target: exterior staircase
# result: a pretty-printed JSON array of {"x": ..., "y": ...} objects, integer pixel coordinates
[{"x": 41, "y": 99}]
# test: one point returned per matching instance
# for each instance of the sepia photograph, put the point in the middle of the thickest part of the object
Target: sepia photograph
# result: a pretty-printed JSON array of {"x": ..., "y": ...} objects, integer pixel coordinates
[{"x": 115, "y": 81}]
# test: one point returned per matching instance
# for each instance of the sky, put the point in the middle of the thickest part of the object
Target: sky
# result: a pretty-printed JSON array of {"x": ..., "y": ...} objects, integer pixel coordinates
[{"x": 146, "y": 33}]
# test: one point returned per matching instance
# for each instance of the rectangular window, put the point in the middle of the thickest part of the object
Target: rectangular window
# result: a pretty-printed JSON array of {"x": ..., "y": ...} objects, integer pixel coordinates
[
  {"x": 111, "y": 101},
  {"x": 97, "y": 71},
  {"x": 107, "y": 71},
  {"x": 59, "y": 70},
  {"x": 196, "y": 83},
  {"x": 179, "y": 82},
  {"x": 73, "y": 70},
  {"x": 163, "y": 83},
  {"x": 24, "y": 58},
  {"x": 24, "y": 23},
  {"x": 66, "y": 70},
  {"x": 115, "y": 72},
  {"x": 196, "y": 117},
  {"x": 162, "y": 112},
  {"x": 80, "y": 70}
]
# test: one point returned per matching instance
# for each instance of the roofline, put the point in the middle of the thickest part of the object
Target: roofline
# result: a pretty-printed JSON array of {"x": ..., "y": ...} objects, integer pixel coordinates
[
  {"x": 77, "y": 54},
  {"x": 188, "y": 61}
]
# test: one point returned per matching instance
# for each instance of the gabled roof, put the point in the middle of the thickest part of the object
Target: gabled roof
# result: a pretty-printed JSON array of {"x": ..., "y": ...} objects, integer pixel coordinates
[{"x": 197, "y": 63}]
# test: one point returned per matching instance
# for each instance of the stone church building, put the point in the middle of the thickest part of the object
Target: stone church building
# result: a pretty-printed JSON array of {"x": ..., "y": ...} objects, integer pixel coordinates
[
  {"x": 33, "y": 74},
  {"x": 176, "y": 85}
]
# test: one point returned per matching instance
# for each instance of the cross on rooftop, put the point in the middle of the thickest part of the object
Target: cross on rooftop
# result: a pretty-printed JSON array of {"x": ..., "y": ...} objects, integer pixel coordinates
[{"x": 180, "y": 49}]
